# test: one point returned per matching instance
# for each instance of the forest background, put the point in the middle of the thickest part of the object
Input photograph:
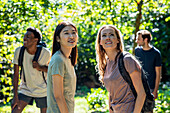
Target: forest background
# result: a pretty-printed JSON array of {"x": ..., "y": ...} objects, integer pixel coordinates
[{"x": 129, "y": 16}]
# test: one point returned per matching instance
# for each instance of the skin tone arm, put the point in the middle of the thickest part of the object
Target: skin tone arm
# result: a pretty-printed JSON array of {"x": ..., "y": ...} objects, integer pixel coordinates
[
  {"x": 15, "y": 85},
  {"x": 36, "y": 65},
  {"x": 157, "y": 81},
  {"x": 58, "y": 93},
  {"x": 141, "y": 95}
]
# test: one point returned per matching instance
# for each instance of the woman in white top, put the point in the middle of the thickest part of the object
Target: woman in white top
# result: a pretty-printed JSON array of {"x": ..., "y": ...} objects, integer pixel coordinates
[{"x": 61, "y": 80}]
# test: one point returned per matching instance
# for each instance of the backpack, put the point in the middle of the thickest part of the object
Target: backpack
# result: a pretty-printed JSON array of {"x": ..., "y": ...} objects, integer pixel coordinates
[
  {"x": 149, "y": 101},
  {"x": 36, "y": 56}
]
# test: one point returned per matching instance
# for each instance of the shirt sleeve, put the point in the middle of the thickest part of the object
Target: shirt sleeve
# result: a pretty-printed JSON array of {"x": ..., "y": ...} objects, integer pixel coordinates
[
  {"x": 44, "y": 57},
  {"x": 16, "y": 55},
  {"x": 137, "y": 50},
  {"x": 58, "y": 67},
  {"x": 131, "y": 64},
  {"x": 158, "y": 59}
]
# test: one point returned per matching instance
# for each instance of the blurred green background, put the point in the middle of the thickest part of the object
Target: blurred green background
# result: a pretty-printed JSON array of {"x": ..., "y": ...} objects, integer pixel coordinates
[{"x": 88, "y": 15}]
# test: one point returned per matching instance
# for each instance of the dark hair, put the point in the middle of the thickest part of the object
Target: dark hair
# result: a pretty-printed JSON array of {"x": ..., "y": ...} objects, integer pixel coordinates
[
  {"x": 145, "y": 34},
  {"x": 56, "y": 45},
  {"x": 36, "y": 32}
]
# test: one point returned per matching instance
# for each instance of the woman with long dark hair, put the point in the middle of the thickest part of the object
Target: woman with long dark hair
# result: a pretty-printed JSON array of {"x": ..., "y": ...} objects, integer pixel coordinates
[
  {"x": 61, "y": 79},
  {"x": 109, "y": 46}
]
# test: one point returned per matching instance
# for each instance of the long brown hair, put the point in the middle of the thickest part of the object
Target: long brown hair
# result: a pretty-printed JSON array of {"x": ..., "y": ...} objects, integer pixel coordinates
[
  {"x": 101, "y": 55},
  {"x": 56, "y": 45}
]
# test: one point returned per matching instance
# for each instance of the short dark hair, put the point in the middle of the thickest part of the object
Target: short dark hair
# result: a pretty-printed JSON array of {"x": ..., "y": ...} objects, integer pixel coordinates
[
  {"x": 36, "y": 32},
  {"x": 145, "y": 34}
]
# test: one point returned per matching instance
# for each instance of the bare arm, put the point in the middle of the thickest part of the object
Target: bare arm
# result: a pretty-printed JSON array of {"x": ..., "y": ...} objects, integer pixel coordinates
[
  {"x": 15, "y": 86},
  {"x": 141, "y": 95},
  {"x": 157, "y": 81},
  {"x": 36, "y": 65},
  {"x": 58, "y": 93}
]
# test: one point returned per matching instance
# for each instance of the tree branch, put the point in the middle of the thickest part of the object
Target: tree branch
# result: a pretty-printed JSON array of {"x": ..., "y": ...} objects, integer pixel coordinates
[
  {"x": 137, "y": 25},
  {"x": 146, "y": 1},
  {"x": 110, "y": 4},
  {"x": 153, "y": 17}
]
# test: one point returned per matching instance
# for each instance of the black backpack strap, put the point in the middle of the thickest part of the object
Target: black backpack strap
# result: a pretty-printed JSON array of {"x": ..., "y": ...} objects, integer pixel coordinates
[
  {"x": 37, "y": 54},
  {"x": 20, "y": 62},
  {"x": 44, "y": 77},
  {"x": 125, "y": 74},
  {"x": 36, "y": 57},
  {"x": 146, "y": 85},
  {"x": 21, "y": 56},
  {"x": 148, "y": 104}
]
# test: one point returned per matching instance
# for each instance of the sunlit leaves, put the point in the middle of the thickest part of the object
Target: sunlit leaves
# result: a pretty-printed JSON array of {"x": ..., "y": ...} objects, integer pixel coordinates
[
  {"x": 16, "y": 16},
  {"x": 167, "y": 19},
  {"x": 163, "y": 99},
  {"x": 97, "y": 100},
  {"x": 88, "y": 16}
]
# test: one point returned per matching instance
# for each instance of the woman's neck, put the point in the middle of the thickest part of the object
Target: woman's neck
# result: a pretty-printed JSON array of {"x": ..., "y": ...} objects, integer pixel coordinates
[
  {"x": 66, "y": 51},
  {"x": 112, "y": 54}
]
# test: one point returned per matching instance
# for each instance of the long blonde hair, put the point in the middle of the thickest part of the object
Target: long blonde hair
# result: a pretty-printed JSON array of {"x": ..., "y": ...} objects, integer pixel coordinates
[{"x": 101, "y": 55}]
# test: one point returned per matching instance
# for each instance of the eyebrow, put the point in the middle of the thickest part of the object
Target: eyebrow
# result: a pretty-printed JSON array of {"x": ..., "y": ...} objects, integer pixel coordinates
[
  {"x": 27, "y": 34},
  {"x": 109, "y": 33},
  {"x": 67, "y": 30}
]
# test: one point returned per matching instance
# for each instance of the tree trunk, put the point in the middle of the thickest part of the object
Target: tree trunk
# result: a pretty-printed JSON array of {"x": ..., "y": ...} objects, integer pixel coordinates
[{"x": 137, "y": 25}]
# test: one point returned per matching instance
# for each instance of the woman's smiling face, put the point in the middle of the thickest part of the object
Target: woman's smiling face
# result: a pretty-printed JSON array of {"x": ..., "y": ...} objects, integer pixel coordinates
[
  {"x": 108, "y": 38},
  {"x": 68, "y": 37}
]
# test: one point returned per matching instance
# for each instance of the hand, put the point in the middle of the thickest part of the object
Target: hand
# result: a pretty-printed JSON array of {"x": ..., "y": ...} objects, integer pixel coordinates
[
  {"x": 155, "y": 94},
  {"x": 36, "y": 65},
  {"x": 15, "y": 102}
]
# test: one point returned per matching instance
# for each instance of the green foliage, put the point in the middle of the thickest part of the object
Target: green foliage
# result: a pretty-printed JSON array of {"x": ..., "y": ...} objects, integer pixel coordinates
[
  {"x": 97, "y": 100},
  {"x": 7, "y": 53},
  {"x": 15, "y": 18},
  {"x": 82, "y": 90},
  {"x": 161, "y": 40},
  {"x": 162, "y": 103},
  {"x": 89, "y": 16},
  {"x": 81, "y": 105}
]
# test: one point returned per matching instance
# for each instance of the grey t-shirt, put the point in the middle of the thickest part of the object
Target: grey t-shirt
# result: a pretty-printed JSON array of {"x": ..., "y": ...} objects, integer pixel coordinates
[
  {"x": 61, "y": 65},
  {"x": 122, "y": 99}
]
